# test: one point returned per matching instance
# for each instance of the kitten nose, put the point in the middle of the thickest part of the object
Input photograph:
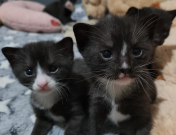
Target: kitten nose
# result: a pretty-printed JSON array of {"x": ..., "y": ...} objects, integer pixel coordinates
[
  {"x": 42, "y": 84},
  {"x": 42, "y": 81}
]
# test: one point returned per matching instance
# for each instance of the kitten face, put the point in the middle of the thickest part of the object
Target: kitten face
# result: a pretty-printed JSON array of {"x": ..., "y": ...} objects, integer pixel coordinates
[
  {"x": 42, "y": 66},
  {"x": 69, "y": 5},
  {"x": 117, "y": 48},
  {"x": 164, "y": 24}
]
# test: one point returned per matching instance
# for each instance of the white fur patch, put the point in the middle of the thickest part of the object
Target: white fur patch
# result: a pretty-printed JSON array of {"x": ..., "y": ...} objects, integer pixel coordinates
[
  {"x": 56, "y": 118},
  {"x": 124, "y": 65},
  {"x": 124, "y": 49},
  {"x": 115, "y": 116},
  {"x": 121, "y": 75},
  {"x": 116, "y": 88},
  {"x": 44, "y": 100}
]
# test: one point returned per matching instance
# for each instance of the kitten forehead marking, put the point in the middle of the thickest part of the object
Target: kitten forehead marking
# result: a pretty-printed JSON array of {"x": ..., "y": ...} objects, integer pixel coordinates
[
  {"x": 124, "y": 65},
  {"x": 41, "y": 77},
  {"x": 124, "y": 49},
  {"x": 115, "y": 116}
]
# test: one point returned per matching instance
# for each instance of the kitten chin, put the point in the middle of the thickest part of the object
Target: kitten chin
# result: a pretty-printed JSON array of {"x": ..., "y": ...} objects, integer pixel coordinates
[
  {"x": 44, "y": 100},
  {"x": 118, "y": 89}
]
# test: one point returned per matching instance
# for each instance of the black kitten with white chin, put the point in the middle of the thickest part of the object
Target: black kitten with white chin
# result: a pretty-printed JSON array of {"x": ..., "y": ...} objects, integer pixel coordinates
[
  {"x": 164, "y": 24},
  {"x": 57, "y": 97},
  {"x": 118, "y": 50}
]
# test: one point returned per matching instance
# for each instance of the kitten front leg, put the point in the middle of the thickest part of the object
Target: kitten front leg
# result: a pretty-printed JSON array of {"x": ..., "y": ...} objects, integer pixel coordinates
[
  {"x": 98, "y": 115},
  {"x": 145, "y": 131},
  {"x": 94, "y": 126},
  {"x": 41, "y": 127},
  {"x": 74, "y": 126},
  {"x": 136, "y": 127}
]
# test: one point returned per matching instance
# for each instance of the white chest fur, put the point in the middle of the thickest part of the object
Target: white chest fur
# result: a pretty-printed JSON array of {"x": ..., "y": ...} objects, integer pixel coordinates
[{"x": 115, "y": 116}]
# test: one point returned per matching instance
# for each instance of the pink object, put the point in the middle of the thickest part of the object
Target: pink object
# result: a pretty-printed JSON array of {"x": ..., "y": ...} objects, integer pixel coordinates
[
  {"x": 28, "y": 16},
  {"x": 42, "y": 81}
]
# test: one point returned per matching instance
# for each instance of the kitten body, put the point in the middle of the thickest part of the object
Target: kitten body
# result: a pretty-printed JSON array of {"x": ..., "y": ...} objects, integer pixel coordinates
[
  {"x": 164, "y": 24},
  {"x": 61, "y": 9},
  {"x": 117, "y": 51},
  {"x": 59, "y": 95}
]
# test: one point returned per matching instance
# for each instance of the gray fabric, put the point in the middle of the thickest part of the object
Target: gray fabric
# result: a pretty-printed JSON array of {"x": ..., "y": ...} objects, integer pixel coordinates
[{"x": 16, "y": 115}]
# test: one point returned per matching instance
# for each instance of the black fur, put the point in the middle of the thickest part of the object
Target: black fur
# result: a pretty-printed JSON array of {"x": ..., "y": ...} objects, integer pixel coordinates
[
  {"x": 137, "y": 98},
  {"x": 58, "y": 10},
  {"x": 72, "y": 102},
  {"x": 164, "y": 24}
]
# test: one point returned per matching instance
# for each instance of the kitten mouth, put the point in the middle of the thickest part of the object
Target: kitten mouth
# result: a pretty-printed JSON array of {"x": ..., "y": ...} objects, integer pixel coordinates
[
  {"x": 44, "y": 90},
  {"x": 124, "y": 78}
]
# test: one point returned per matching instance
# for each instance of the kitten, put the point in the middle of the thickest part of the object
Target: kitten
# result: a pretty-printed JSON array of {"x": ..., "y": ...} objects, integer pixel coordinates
[
  {"x": 117, "y": 51},
  {"x": 59, "y": 96},
  {"x": 164, "y": 24},
  {"x": 61, "y": 9}
]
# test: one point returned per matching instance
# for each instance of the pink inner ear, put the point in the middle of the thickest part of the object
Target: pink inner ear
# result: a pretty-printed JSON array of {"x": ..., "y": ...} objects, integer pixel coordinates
[{"x": 69, "y": 5}]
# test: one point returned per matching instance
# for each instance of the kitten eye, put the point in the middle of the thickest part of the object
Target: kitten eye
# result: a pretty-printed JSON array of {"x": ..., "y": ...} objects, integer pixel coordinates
[
  {"x": 53, "y": 69},
  {"x": 106, "y": 54},
  {"x": 29, "y": 72},
  {"x": 137, "y": 52}
]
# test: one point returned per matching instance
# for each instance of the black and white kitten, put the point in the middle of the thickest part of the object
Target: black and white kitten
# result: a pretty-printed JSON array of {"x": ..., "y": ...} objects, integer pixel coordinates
[
  {"x": 164, "y": 24},
  {"x": 118, "y": 50},
  {"x": 59, "y": 96},
  {"x": 61, "y": 9}
]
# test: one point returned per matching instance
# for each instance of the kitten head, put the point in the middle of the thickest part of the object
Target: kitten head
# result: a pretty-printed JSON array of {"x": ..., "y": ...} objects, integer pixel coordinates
[
  {"x": 70, "y": 5},
  {"x": 164, "y": 24},
  {"x": 117, "y": 48},
  {"x": 42, "y": 66}
]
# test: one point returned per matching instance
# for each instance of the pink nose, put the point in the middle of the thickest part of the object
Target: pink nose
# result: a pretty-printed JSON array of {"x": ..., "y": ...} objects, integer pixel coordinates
[
  {"x": 42, "y": 81},
  {"x": 43, "y": 84}
]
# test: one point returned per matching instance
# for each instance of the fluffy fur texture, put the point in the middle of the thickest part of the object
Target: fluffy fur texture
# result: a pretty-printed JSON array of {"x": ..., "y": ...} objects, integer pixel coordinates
[
  {"x": 164, "y": 109},
  {"x": 164, "y": 24},
  {"x": 61, "y": 9},
  {"x": 59, "y": 95},
  {"x": 109, "y": 49},
  {"x": 97, "y": 8}
]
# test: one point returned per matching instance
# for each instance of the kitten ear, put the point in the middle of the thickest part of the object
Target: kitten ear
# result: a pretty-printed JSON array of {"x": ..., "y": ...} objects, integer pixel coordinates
[
  {"x": 67, "y": 45},
  {"x": 132, "y": 11},
  {"x": 149, "y": 24},
  {"x": 82, "y": 32},
  {"x": 172, "y": 13},
  {"x": 9, "y": 53}
]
